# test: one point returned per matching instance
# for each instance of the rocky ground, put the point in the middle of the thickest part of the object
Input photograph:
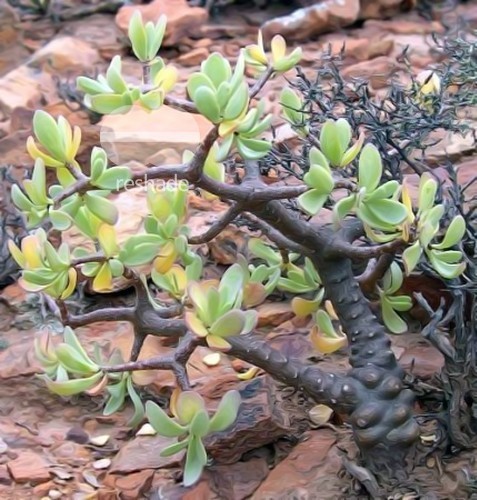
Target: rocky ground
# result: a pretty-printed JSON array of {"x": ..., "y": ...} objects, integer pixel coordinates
[{"x": 55, "y": 448}]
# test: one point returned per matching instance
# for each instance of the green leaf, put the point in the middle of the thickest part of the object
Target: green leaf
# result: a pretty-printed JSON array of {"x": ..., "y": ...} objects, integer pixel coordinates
[
  {"x": 70, "y": 387},
  {"x": 446, "y": 270},
  {"x": 372, "y": 219},
  {"x": 107, "y": 104},
  {"x": 454, "y": 234},
  {"x": 391, "y": 319},
  {"x": 195, "y": 322},
  {"x": 72, "y": 340},
  {"x": 251, "y": 317},
  {"x": 324, "y": 324},
  {"x": 411, "y": 256},
  {"x": 114, "y": 78},
  {"x": 174, "y": 448},
  {"x": 343, "y": 130},
  {"x": 370, "y": 168},
  {"x": 320, "y": 179},
  {"x": 223, "y": 94},
  {"x": 217, "y": 68},
  {"x": 263, "y": 251},
  {"x": 116, "y": 399},
  {"x": 207, "y": 105},
  {"x": 199, "y": 299},
  {"x": 99, "y": 162},
  {"x": 389, "y": 211},
  {"x": 238, "y": 74},
  {"x": 311, "y": 275},
  {"x": 224, "y": 147},
  {"x": 231, "y": 323},
  {"x": 73, "y": 361},
  {"x": 114, "y": 178},
  {"x": 259, "y": 127},
  {"x": 38, "y": 180},
  {"x": 59, "y": 219},
  {"x": 90, "y": 86},
  {"x": 19, "y": 199},
  {"x": 252, "y": 149},
  {"x": 155, "y": 40},
  {"x": 386, "y": 190},
  {"x": 47, "y": 132},
  {"x": 136, "y": 419},
  {"x": 101, "y": 207},
  {"x": 427, "y": 193},
  {"x": 65, "y": 177},
  {"x": 318, "y": 158},
  {"x": 343, "y": 207},
  {"x": 230, "y": 287},
  {"x": 226, "y": 413},
  {"x": 137, "y": 36},
  {"x": 197, "y": 81},
  {"x": 289, "y": 62},
  {"x": 141, "y": 254},
  {"x": 199, "y": 425},
  {"x": 214, "y": 306},
  {"x": 238, "y": 103},
  {"x": 153, "y": 99},
  {"x": 449, "y": 256},
  {"x": 161, "y": 422},
  {"x": 352, "y": 152},
  {"x": 427, "y": 233},
  {"x": 400, "y": 302},
  {"x": 393, "y": 279},
  {"x": 291, "y": 105},
  {"x": 312, "y": 201},
  {"x": 40, "y": 276},
  {"x": 196, "y": 459},
  {"x": 330, "y": 142},
  {"x": 188, "y": 404}
]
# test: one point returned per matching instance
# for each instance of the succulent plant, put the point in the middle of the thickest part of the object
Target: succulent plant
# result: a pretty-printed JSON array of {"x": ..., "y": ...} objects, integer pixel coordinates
[
  {"x": 391, "y": 303},
  {"x": 387, "y": 229},
  {"x": 216, "y": 312},
  {"x": 190, "y": 424}
]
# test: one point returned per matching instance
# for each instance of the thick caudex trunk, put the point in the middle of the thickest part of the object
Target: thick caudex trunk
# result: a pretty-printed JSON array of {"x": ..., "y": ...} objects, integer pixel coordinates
[{"x": 382, "y": 420}]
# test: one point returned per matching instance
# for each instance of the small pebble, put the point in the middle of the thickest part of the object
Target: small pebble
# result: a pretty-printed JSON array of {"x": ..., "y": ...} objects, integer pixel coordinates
[
  {"x": 103, "y": 463},
  {"x": 212, "y": 359},
  {"x": 146, "y": 430},
  {"x": 99, "y": 440}
]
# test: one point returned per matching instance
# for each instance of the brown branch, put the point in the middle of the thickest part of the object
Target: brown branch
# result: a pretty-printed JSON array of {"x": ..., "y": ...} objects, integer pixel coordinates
[
  {"x": 76, "y": 172},
  {"x": 144, "y": 301},
  {"x": 104, "y": 314},
  {"x": 79, "y": 187},
  {"x": 275, "y": 236},
  {"x": 95, "y": 257},
  {"x": 374, "y": 272},
  {"x": 338, "y": 391},
  {"x": 340, "y": 248},
  {"x": 180, "y": 104},
  {"x": 252, "y": 172},
  {"x": 176, "y": 362},
  {"x": 260, "y": 83},
  {"x": 250, "y": 193},
  {"x": 218, "y": 226}
]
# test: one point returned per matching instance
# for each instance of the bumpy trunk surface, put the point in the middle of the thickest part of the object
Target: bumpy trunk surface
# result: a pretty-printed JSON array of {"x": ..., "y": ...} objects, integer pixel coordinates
[{"x": 383, "y": 423}]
